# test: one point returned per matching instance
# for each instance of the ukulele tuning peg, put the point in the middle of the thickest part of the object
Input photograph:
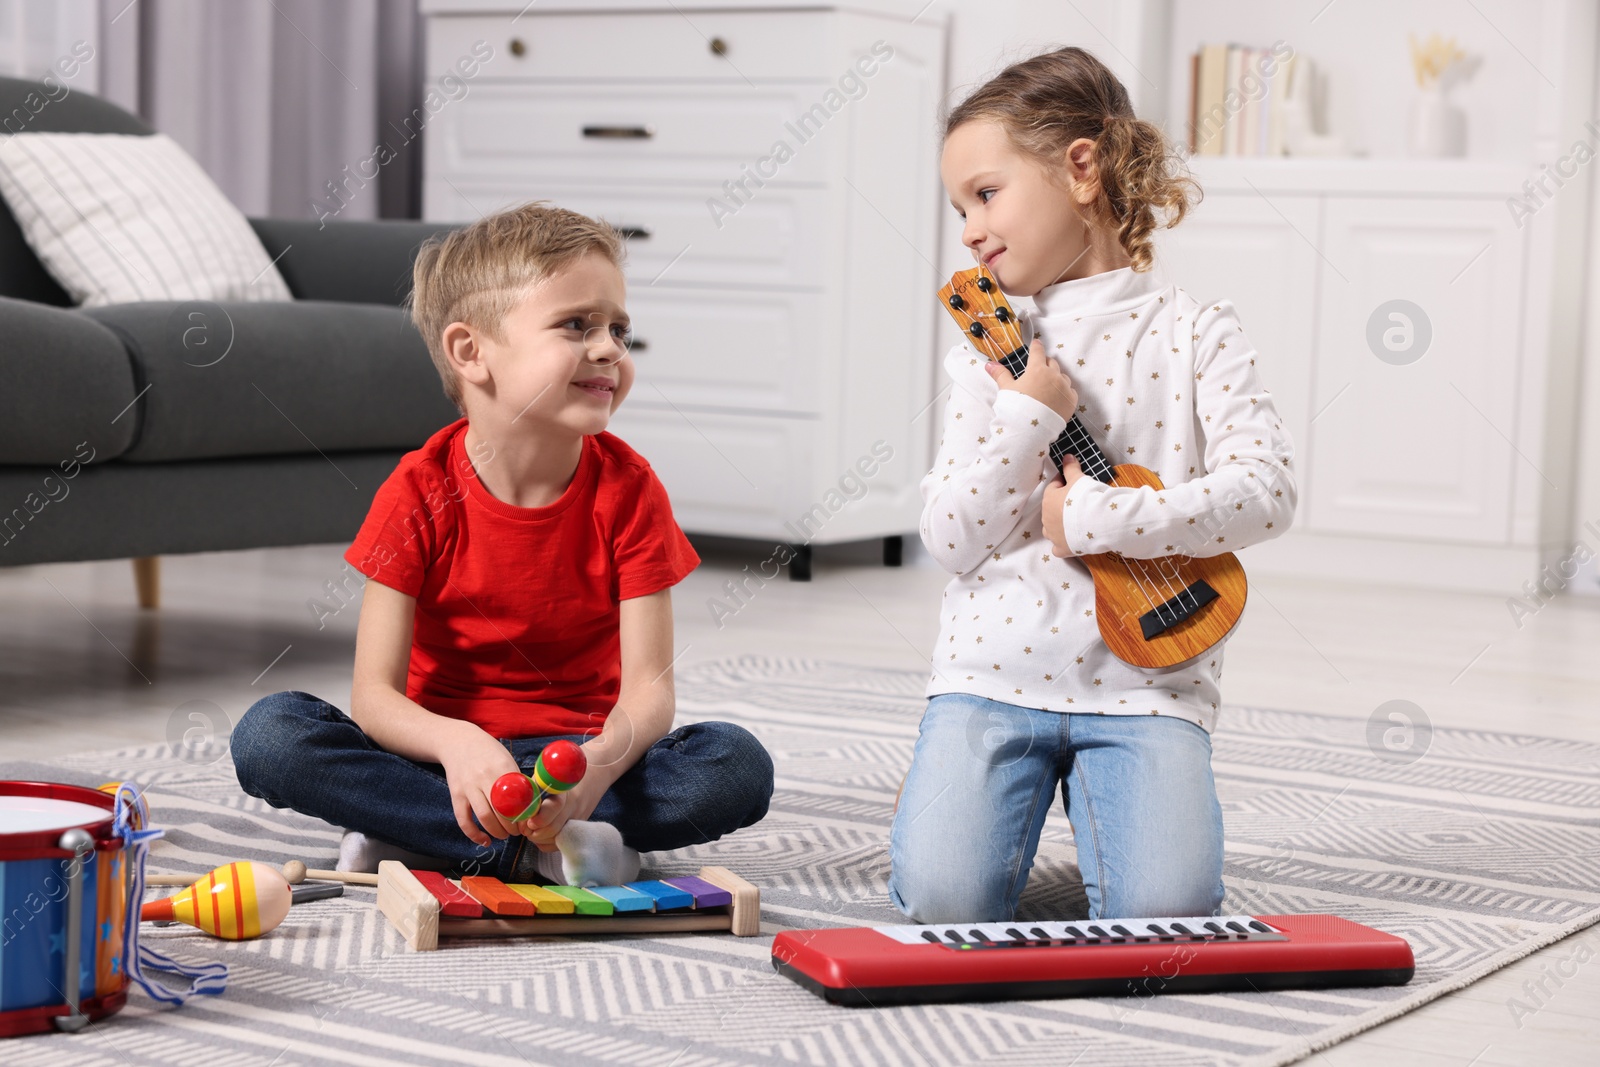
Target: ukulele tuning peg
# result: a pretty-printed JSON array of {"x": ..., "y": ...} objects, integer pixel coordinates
[
  {"x": 976, "y": 329},
  {"x": 956, "y": 301},
  {"x": 1002, "y": 313},
  {"x": 984, "y": 285}
]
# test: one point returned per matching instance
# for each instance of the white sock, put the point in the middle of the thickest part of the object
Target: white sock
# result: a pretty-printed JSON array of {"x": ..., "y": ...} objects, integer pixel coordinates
[
  {"x": 589, "y": 853},
  {"x": 360, "y": 853}
]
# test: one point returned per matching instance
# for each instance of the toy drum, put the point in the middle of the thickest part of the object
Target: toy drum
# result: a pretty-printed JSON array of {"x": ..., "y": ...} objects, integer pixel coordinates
[{"x": 63, "y": 906}]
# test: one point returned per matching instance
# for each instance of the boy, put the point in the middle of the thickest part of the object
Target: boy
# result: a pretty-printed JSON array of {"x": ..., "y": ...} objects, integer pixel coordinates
[{"x": 520, "y": 565}]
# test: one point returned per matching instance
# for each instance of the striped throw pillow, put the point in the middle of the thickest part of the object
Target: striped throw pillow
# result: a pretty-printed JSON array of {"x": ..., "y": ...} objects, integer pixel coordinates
[{"x": 121, "y": 217}]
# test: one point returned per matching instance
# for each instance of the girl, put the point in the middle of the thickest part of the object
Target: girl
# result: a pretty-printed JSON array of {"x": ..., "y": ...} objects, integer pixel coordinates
[{"x": 1059, "y": 183}]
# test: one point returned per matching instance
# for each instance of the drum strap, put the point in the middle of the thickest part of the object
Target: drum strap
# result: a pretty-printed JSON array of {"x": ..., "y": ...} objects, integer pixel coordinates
[{"x": 130, "y": 820}]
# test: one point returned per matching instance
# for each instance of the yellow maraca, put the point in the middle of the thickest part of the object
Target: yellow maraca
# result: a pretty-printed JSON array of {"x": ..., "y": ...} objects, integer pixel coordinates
[{"x": 236, "y": 902}]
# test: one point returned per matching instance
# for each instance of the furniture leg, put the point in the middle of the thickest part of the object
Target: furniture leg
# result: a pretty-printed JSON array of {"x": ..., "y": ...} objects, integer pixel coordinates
[{"x": 147, "y": 579}]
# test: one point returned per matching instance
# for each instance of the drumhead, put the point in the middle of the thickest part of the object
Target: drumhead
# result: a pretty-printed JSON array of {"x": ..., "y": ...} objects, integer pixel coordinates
[{"x": 22, "y": 814}]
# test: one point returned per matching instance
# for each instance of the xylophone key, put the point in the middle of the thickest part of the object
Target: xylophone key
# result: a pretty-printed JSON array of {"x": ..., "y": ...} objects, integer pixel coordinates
[
  {"x": 452, "y": 901},
  {"x": 667, "y": 897},
  {"x": 547, "y": 902},
  {"x": 624, "y": 899},
  {"x": 583, "y": 901},
  {"x": 498, "y": 897},
  {"x": 705, "y": 894}
]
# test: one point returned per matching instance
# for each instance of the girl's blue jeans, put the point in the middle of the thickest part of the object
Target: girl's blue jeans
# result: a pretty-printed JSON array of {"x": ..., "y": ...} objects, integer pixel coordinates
[
  {"x": 294, "y": 750},
  {"x": 1137, "y": 788}
]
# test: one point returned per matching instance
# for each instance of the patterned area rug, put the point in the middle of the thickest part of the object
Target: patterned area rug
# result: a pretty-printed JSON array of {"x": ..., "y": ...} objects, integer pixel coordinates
[{"x": 1480, "y": 851}]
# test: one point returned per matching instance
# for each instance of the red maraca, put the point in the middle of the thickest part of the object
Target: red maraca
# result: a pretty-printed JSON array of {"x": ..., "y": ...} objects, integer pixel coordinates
[{"x": 561, "y": 766}]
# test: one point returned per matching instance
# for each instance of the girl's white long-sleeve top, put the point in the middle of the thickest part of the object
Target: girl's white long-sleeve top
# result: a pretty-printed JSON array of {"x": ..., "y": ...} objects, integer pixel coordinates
[{"x": 1163, "y": 382}]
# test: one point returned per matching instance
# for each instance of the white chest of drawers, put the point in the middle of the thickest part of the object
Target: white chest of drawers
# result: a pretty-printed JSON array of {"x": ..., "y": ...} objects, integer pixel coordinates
[{"x": 776, "y": 172}]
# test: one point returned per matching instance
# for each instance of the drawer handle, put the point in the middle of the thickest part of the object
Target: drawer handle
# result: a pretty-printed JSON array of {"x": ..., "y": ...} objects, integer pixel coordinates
[
  {"x": 625, "y": 133},
  {"x": 719, "y": 47},
  {"x": 634, "y": 233},
  {"x": 516, "y": 47},
  {"x": 639, "y": 345}
]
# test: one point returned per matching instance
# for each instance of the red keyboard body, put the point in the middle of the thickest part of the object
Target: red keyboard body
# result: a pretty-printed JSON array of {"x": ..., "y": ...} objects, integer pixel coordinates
[{"x": 876, "y": 966}]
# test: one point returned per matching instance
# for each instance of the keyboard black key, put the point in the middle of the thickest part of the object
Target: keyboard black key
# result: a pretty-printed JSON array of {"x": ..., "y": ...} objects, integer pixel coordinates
[
  {"x": 1214, "y": 928},
  {"x": 1096, "y": 931},
  {"x": 1077, "y": 933},
  {"x": 1015, "y": 934},
  {"x": 953, "y": 936},
  {"x": 1257, "y": 924},
  {"x": 1183, "y": 930},
  {"x": 1040, "y": 934},
  {"x": 1159, "y": 932},
  {"x": 1123, "y": 930},
  {"x": 1236, "y": 928},
  {"x": 978, "y": 936},
  {"x": 929, "y": 935}
]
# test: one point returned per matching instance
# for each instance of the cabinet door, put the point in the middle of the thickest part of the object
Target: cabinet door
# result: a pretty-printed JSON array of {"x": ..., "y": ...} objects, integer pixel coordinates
[
  {"x": 1261, "y": 256},
  {"x": 1415, "y": 404}
]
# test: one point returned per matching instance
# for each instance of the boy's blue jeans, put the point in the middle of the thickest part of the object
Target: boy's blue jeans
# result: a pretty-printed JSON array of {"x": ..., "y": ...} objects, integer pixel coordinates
[
  {"x": 1137, "y": 788},
  {"x": 294, "y": 750}
]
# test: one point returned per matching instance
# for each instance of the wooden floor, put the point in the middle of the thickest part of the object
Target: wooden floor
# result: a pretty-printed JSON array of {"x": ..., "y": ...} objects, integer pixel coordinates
[{"x": 82, "y": 668}]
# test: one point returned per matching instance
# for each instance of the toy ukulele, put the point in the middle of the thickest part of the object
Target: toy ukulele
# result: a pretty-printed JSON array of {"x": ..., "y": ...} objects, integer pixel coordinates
[
  {"x": 1155, "y": 615},
  {"x": 561, "y": 766}
]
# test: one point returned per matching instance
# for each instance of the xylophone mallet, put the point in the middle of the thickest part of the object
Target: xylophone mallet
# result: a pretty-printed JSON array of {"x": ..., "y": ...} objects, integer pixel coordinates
[{"x": 517, "y": 796}]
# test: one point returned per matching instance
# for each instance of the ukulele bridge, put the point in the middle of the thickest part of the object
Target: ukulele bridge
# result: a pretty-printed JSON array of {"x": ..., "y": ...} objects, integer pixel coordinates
[{"x": 1169, "y": 613}]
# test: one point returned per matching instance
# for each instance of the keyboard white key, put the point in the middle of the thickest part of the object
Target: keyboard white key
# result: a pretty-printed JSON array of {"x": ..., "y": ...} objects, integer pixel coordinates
[{"x": 1099, "y": 931}]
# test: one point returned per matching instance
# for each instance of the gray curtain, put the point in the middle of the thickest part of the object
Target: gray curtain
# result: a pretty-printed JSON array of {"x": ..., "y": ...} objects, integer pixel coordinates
[{"x": 283, "y": 102}]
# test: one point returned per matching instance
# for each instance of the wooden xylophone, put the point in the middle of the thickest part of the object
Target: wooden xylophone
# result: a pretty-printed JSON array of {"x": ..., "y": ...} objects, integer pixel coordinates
[
  {"x": 425, "y": 906},
  {"x": 874, "y": 966}
]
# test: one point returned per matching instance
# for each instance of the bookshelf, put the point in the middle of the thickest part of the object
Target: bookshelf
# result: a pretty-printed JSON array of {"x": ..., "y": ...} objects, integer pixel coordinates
[{"x": 1361, "y": 49}]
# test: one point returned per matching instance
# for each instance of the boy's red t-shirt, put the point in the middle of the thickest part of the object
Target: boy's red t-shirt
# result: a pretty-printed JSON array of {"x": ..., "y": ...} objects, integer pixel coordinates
[{"x": 518, "y": 608}]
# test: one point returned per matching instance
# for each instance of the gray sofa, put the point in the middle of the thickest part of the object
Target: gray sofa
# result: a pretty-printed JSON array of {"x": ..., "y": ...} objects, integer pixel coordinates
[{"x": 122, "y": 435}]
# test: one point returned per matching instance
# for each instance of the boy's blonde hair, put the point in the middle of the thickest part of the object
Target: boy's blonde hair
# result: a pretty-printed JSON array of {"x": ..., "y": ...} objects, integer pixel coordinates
[
  {"x": 480, "y": 273},
  {"x": 1047, "y": 102}
]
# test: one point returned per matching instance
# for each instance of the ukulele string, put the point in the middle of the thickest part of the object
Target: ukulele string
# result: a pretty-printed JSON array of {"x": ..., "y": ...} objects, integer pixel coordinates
[
  {"x": 1105, "y": 467},
  {"x": 1128, "y": 565}
]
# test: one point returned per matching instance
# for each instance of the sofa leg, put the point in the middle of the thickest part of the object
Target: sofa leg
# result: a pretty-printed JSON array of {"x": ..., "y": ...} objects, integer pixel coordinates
[{"x": 147, "y": 579}]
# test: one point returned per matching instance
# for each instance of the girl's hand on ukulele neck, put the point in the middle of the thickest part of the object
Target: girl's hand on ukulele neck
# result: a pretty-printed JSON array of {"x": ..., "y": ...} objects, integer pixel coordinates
[
  {"x": 1043, "y": 379},
  {"x": 1055, "y": 498}
]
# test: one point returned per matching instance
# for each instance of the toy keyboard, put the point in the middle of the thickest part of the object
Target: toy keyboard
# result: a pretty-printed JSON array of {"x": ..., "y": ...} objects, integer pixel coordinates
[{"x": 875, "y": 966}]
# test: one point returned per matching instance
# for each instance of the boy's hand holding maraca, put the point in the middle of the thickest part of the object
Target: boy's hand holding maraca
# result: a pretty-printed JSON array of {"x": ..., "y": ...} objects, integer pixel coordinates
[
  {"x": 541, "y": 804},
  {"x": 472, "y": 762}
]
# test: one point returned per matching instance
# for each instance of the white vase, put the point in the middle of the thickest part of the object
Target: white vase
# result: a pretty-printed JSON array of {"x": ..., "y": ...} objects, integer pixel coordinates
[{"x": 1438, "y": 127}]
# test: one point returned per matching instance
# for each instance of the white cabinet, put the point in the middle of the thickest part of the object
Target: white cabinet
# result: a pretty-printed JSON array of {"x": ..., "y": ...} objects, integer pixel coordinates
[
  {"x": 775, "y": 172},
  {"x": 1414, "y": 462},
  {"x": 1419, "y": 447}
]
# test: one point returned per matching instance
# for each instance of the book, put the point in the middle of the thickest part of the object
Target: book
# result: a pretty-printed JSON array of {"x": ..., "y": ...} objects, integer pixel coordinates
[
  {"x": 1249, "y": 87},
  {"x": 1211, "y": 115},
  {"x": 1237, "y": 108},
  {"x": 1194, "y": 100}
]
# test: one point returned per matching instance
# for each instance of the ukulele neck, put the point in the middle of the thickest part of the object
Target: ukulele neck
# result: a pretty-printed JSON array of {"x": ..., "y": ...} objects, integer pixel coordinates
[{"x": 1075, "y": 439}]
